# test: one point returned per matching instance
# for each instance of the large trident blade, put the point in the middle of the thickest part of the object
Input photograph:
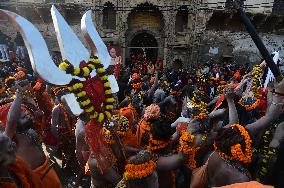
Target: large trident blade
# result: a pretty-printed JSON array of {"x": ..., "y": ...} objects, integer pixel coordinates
[
  {"x": 40, "y": 58},
  {"x": 98, "y": 46},
  {"x": 93, "y": 39},
  {"x": 70, "y": 45},
  {"x": 73, "y": 104}
]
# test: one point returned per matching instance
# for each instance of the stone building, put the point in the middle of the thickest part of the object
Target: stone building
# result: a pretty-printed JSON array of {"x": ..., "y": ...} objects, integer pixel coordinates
[{"x": 193, "y": 31}]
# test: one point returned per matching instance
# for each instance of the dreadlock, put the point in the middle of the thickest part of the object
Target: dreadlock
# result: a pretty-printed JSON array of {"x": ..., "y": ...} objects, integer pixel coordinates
[
  {"x": 228, "y": 137},
  {"x": 161, "y": 129}
]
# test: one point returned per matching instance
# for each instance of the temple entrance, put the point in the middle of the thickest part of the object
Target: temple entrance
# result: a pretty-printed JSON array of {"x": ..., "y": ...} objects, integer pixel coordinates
[{"x": 144, "y": 44}]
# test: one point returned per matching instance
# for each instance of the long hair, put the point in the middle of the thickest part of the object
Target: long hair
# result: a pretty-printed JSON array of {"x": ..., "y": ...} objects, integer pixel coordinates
[
  {"x": 161, "y": 129},
  {"x": 228, "y": 137}
]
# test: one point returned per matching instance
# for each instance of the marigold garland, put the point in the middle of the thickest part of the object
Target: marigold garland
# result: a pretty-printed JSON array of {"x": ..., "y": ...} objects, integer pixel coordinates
[
  {"x": 77, "y": 87},
  {"x": 120, "y": 127},
  {"x": 202, "y": 108},
  {"x": 136, "y": 86},
  {"x": 256, "y": 79},
  {"x": 249, "y": 107},
  {"x": 139, "y": 171},
  {"x": 236, "y": 150},
  {"x": 187, "y": 147},
  {"x": 156, "y": 144}
]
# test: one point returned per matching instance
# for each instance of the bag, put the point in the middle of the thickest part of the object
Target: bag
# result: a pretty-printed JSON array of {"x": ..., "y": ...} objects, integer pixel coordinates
[{"x": 199, "y": 177}]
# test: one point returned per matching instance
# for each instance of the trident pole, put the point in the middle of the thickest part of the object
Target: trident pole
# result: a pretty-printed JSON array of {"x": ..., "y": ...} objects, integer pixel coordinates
[{"x": 258, "y": 42}]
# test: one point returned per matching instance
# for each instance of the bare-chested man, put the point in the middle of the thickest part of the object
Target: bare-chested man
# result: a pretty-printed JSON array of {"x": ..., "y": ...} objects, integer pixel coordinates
[{"x": 19, "y": 127}]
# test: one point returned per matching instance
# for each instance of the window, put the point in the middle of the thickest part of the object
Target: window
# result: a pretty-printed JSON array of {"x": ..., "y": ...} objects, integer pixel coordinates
[
  {"x": 182, "y": 19},
  {"x": 109, "y": 16}
]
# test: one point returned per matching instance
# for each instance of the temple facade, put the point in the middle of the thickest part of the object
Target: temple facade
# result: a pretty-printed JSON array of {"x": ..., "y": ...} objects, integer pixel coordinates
[{"x": 191, "y": 31}]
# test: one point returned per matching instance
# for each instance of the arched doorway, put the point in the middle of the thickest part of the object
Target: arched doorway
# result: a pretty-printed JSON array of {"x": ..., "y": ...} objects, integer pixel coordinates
[
  {"x": 145, "y": 44},
  {"x": 145, "y": 32}
]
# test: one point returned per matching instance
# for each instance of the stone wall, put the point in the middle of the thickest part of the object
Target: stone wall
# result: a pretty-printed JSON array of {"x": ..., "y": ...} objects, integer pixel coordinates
[
  {"x": 209, "y": 27},
  {"x": 216, "y": 45}
]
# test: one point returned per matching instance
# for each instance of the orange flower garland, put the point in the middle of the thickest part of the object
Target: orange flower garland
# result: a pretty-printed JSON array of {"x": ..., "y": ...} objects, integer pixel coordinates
[
  {"x": 249, "y": 107},
  {"x": 201, "y": 116},
  {"x": 236, "y": 150},
  {"x": 187, "y": 147},
  {"x": 156, "y": 144},
  {"x": 202, "y": 108},
  {"x": 139, "y": 171},
  {"x": 136, "y": 86}
]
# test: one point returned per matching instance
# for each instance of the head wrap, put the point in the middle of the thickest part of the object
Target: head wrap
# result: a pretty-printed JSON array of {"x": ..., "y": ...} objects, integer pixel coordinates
[
  {"x": 135, "y": 76},
  {"x": 237, "y": 75},
  {"x": 152, "y": 112}
]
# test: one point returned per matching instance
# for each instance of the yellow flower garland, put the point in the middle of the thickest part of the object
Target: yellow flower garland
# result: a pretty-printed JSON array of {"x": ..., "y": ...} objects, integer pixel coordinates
[
  {"x": 256, "y": 79},
  {"x": 202, "y": 107},
  {"x": 77, "y": 87}
]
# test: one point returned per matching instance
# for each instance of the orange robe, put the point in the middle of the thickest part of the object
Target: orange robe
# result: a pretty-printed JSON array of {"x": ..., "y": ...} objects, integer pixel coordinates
[
  {"x": 130, "y": 113},
  {"x": 130, "y": 139},
  {"x": 27, "y": 177},
  {"x": 143, "y": 128},
  {"x": 50, "y": 179}
]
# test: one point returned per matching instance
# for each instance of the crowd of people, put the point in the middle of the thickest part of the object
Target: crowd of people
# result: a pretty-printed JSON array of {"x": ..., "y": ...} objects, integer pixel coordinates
[{"x": 215, "y": 125}]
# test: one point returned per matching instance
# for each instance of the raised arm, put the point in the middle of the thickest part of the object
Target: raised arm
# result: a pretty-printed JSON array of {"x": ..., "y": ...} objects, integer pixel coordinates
[
  {"x": 273, "y": 112},
  {"x": 14, "y": 113},
  {"x": 154, "y": 86},
  {"x": 233, "y": 113},
  {"x": 213, "y": 101},
  {"x": 80, "y": 143}
]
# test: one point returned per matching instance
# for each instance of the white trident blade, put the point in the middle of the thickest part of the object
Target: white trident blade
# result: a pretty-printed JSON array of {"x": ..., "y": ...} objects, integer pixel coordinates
[
  {"x": 270, "y": 77},
  {"x": 97, "y": 45},
  {"x": 73, "y": 104},
  {"x": 94, "y": 40},
  {"x": 41, "y": 61},
  {"x": 70, "y": 45}
]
